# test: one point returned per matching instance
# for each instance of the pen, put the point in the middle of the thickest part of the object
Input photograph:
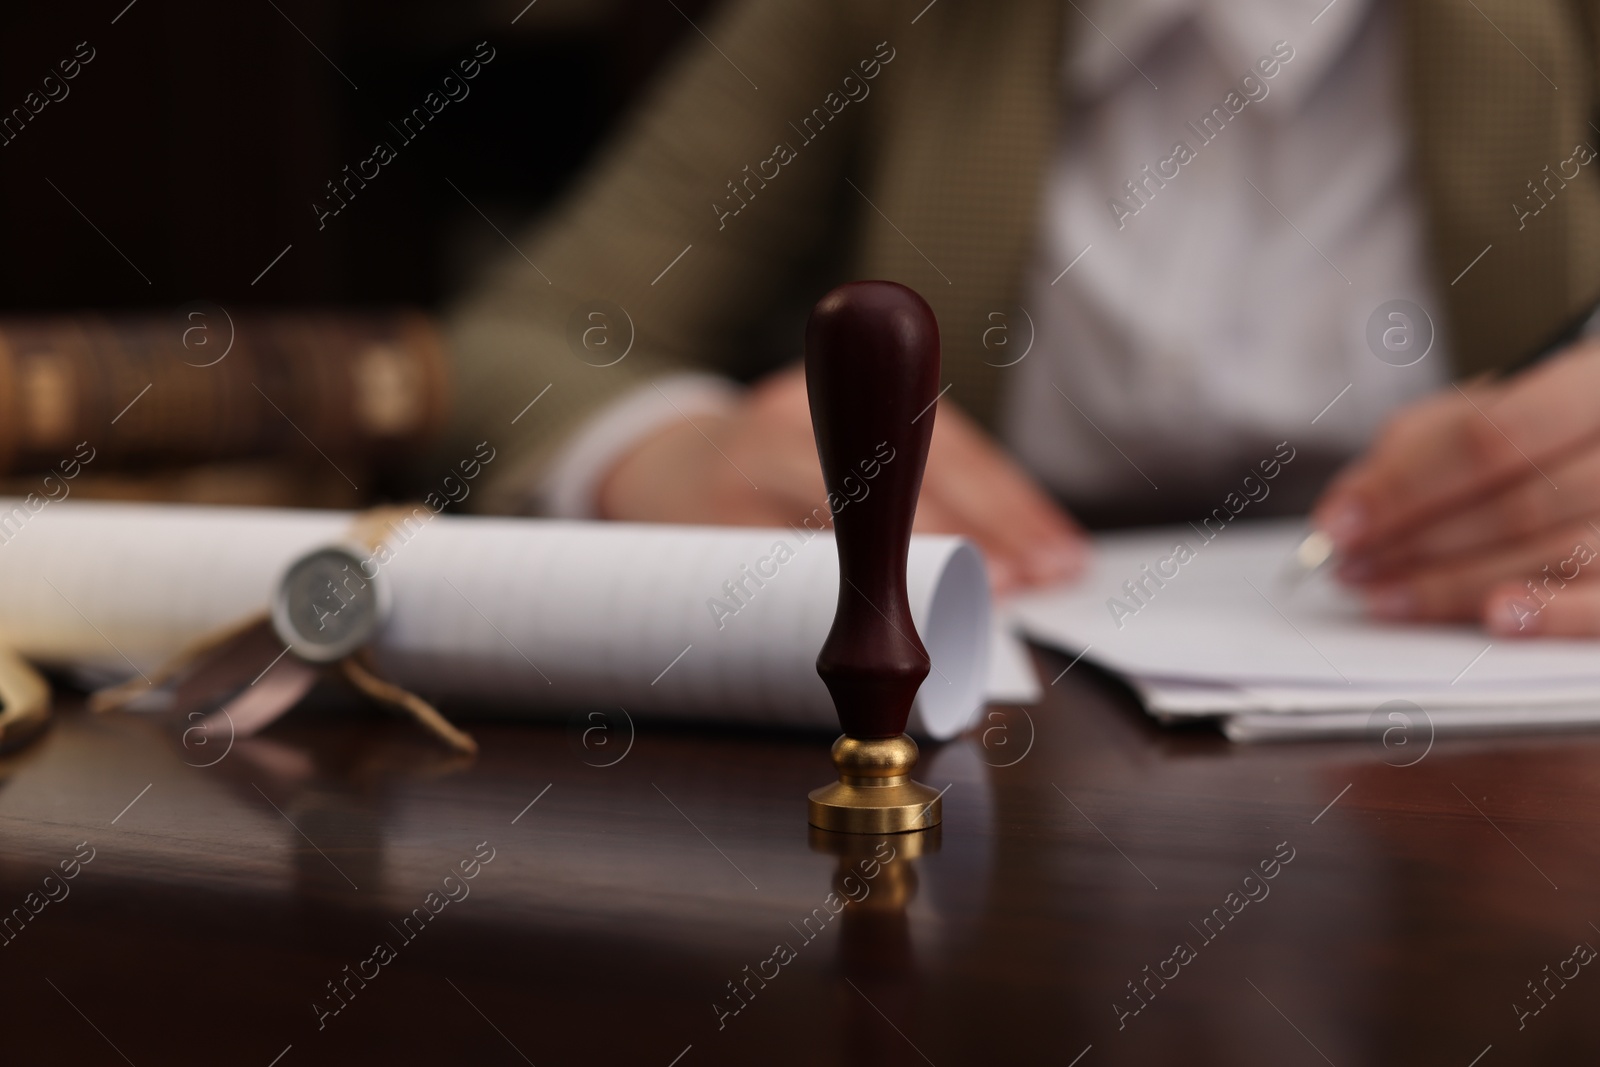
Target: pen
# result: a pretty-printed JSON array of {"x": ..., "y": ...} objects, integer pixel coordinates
[{"x": 1316, "y": 550}]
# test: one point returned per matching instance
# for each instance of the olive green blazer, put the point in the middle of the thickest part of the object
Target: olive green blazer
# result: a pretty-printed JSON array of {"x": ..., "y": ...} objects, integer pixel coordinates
[{"x": 756, "y": 174}]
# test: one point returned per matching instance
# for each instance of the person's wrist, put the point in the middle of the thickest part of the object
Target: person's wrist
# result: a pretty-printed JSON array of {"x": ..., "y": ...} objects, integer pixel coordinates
[
  {"x": 657, "y": 479},
  {"x": 571, "y": 482}
]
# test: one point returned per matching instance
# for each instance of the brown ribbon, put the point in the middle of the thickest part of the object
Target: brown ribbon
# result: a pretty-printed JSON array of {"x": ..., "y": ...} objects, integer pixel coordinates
[
  {"x": 24, "y": 702},
  {"x": 288, "y": 679}
]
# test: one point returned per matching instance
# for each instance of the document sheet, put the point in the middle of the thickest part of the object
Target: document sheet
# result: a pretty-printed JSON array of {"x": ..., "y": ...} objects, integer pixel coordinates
[{"x": 1203, "y": 622}]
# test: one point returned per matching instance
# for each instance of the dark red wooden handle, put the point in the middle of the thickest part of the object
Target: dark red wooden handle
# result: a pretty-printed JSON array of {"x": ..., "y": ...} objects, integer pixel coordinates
[{"x": 872, "y": 375}]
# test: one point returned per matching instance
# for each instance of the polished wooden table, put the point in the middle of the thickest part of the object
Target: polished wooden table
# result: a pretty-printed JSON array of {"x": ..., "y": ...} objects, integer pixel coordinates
[{"x": 1097, "y": 895}]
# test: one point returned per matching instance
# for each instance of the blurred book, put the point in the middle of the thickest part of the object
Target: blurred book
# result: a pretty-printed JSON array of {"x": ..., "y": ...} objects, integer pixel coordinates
[{"x": 204, "y": 404}]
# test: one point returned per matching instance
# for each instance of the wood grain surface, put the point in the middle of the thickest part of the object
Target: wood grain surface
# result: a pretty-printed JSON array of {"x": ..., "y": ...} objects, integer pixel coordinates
[{"x": 623, "y": 900}]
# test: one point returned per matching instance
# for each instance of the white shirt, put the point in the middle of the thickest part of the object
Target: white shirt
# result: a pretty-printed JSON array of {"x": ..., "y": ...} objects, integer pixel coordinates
[
  {"x": 1231, "y": 309},
  {"x": 1224, "y": 308}
]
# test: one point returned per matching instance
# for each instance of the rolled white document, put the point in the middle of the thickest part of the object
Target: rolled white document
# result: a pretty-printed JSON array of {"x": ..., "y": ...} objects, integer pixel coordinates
[{"x": 532, "y": 616}]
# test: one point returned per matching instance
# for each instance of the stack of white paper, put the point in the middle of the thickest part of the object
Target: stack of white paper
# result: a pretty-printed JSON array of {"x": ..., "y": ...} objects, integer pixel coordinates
[
  {"x": 539, "y": 617},
  {"x": 1211, "y": 629}
]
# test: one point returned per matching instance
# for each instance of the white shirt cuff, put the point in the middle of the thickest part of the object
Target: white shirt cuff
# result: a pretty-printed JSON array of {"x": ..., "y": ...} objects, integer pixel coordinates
[{"x": 572, "y": 484}]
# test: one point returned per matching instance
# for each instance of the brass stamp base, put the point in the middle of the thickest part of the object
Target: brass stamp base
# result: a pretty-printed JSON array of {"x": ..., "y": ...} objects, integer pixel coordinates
[{"x": 874, "y": 793}]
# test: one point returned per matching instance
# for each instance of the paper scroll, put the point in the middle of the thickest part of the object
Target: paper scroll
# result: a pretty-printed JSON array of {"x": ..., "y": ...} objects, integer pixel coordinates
[{"x": 528, "y": 616}]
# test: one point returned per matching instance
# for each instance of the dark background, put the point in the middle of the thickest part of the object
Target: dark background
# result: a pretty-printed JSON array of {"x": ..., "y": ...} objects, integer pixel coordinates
[{"x": 200, "y": 135}]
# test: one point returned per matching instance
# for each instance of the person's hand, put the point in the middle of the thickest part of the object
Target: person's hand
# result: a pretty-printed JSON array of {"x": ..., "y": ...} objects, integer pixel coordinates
[
  {"x": 758, "y": 467},
  {"x": 1482, "y": 503}
]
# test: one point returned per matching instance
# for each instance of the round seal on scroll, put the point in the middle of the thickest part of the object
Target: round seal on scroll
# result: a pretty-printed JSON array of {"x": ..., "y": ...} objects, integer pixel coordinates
[{"x": 326, "y": 606}]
